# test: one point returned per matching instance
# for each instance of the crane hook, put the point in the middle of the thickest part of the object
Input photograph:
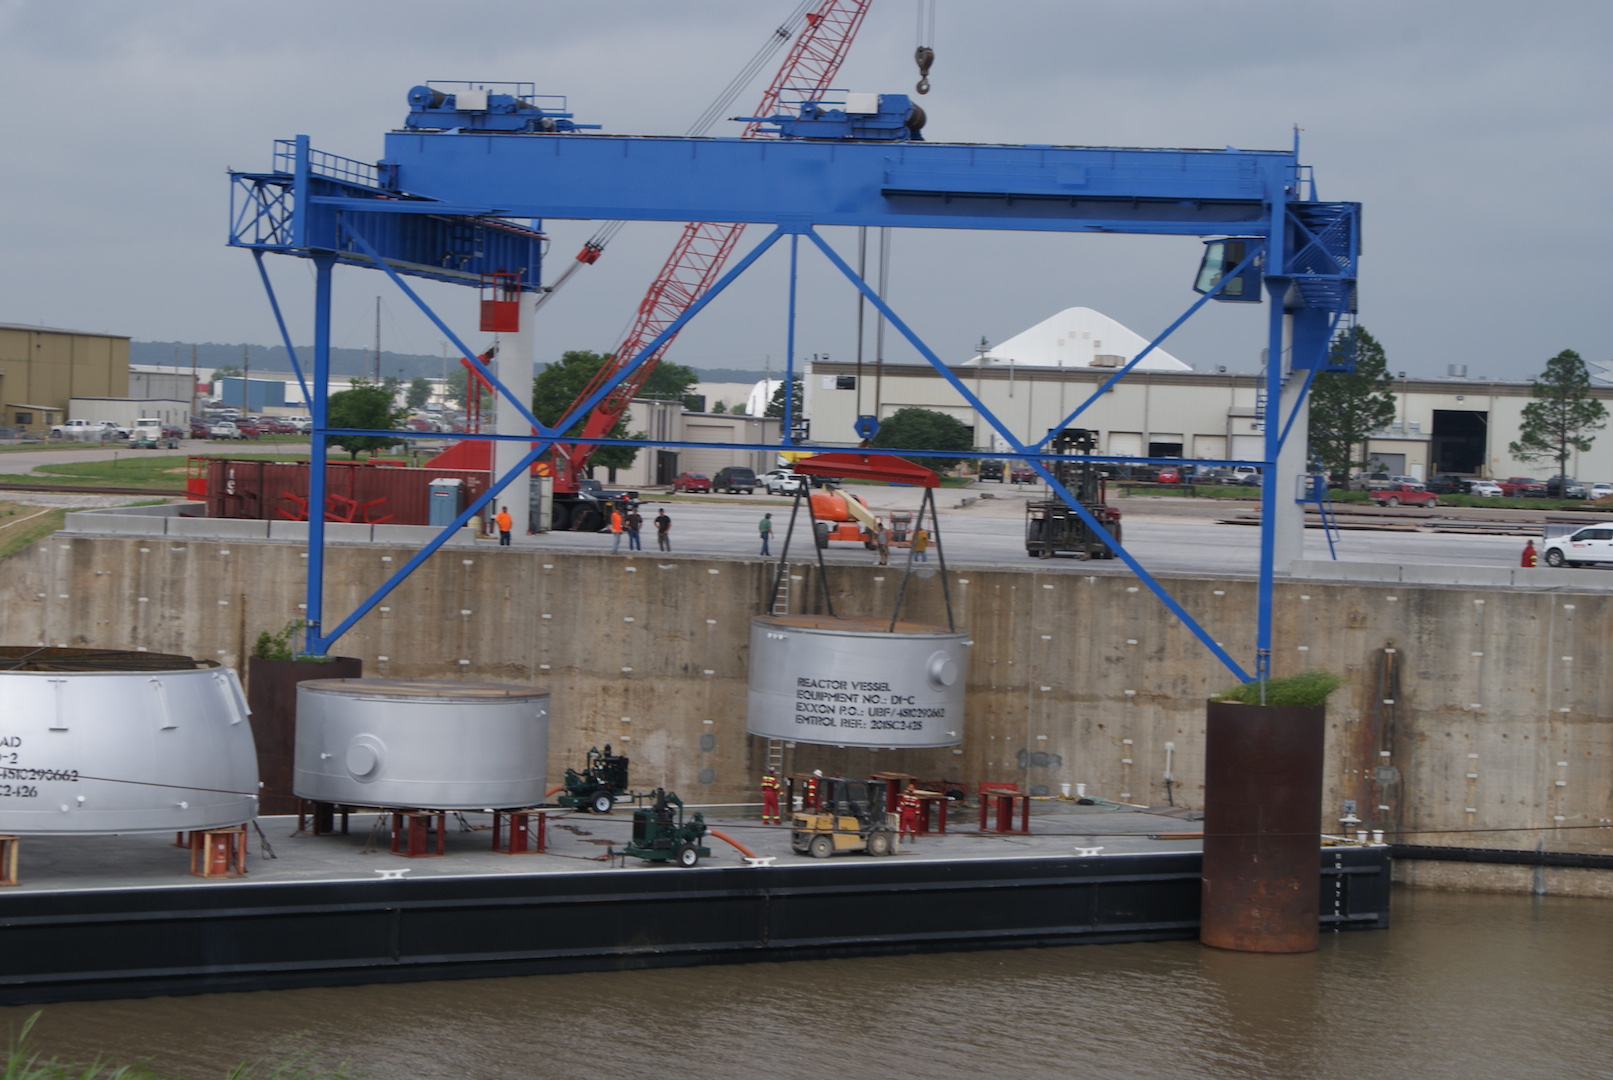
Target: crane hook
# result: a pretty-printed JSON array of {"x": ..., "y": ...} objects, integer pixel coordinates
[{"x": 925, "y": 56}]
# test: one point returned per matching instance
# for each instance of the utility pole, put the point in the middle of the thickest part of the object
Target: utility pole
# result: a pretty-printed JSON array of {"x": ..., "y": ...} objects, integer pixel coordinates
[
  {"x": 377, "y": 340},
  {"x": 193, "y": 374},
  {"x": 246, "y": 380}
]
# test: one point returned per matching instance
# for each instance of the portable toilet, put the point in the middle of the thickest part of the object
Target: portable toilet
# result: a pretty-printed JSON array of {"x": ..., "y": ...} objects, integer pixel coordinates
[{"x": 447, "y": 500}]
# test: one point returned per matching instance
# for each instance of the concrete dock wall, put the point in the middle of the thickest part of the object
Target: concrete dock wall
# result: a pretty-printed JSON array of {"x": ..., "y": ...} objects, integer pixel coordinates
[{"x": 1474, "y": 715}]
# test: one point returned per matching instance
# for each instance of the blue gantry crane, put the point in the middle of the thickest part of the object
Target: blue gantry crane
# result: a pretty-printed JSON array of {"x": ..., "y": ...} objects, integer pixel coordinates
[{"x": 446, "y": 199}]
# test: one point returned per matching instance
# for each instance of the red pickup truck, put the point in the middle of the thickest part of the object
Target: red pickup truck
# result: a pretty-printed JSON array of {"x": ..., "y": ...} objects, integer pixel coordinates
[
  {"x": 1514, "y": 486},
  {"x": 1403, "y": 495}
]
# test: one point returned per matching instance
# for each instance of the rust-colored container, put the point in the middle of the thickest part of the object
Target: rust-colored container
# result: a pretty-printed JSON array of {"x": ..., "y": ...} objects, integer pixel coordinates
[
  {"x": 355, "y": 491},
  {"x": 1262, "y": 827},
  {"x": 271, "y": 691}
]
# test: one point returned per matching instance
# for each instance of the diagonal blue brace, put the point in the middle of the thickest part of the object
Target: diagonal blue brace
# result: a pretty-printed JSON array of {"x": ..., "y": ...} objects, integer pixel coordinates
[
  {"x": 320, "y": 644},
  {"x": 585, "y": 407},
  {"x": 1152, "y": 345},
  {"x": 280, "y": 321},
  {"x": 504, "y": 391},
  {"x": 1002, "y": 429},
  {"x": 317, "y": 643}
]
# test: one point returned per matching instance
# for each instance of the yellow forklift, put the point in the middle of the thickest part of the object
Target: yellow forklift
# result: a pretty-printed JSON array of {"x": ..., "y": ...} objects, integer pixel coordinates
[{"x": 850, "y": 816}]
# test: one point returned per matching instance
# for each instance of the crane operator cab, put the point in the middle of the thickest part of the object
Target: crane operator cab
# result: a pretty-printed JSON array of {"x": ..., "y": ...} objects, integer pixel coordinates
[{"x": 1223, "y": 256}]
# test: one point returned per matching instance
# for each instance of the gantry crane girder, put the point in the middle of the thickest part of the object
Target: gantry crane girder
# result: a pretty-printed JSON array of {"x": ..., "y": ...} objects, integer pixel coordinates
[{"x": 1302, "y": 251}]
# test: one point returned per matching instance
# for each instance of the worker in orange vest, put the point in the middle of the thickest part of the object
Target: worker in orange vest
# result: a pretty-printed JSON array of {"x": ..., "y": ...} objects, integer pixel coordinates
[
  {"x": 770, "y": 793},
  {"x": 1530, "y": 555},
  {"x": 615, "y": 529},
  {"x": 909, "y": 807},
  {"x": 504, "y": 522}
]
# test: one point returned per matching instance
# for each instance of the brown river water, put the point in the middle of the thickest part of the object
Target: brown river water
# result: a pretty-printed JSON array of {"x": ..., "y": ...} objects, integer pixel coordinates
[{"x": 1463, "y": 985}]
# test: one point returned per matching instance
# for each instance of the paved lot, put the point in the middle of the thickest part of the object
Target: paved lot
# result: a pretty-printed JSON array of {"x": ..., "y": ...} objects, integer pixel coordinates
[{"x": 982, "y": 524}]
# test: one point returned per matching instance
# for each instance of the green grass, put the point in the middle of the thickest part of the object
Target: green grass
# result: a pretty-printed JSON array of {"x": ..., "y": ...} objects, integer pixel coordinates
[
  {"x": 22, "y": 526},
  {"x": 134, "y": 470},
  {"x": 1308, "y": 688}
]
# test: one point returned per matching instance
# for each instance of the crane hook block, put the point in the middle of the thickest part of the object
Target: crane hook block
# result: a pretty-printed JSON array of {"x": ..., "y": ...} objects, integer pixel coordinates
[
  {"x": 924, "y": 56},
  {"x": 866, "y": 427}
]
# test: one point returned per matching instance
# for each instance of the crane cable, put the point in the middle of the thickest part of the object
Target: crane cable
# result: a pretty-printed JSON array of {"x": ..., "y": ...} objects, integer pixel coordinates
[
  {"x": 782, "y": 35},
  {"x": 924, "y": 54}
]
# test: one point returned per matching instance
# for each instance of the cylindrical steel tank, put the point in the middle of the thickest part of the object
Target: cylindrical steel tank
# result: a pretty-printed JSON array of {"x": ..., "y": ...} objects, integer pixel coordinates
[
  {"x": 852, "y": 682},
  {"x": 1262, "y": 827},
  {"x": 100, "y": 741},
  {"x": 421, "y": 744}
]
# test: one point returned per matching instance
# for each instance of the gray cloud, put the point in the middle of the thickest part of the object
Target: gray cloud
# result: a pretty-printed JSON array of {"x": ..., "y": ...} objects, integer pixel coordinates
[{"x": 1475, "y": 132}]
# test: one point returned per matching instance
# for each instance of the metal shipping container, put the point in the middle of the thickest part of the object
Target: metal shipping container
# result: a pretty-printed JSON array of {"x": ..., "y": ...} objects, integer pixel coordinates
[{"x": 355, "y": 491}]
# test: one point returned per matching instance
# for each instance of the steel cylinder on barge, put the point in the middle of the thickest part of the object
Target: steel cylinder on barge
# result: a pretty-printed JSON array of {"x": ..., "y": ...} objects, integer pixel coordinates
[
  {"x": 421, "y": 744},
  {"x": 852, "y": 681},
  {"x": 109, "y": 741}
]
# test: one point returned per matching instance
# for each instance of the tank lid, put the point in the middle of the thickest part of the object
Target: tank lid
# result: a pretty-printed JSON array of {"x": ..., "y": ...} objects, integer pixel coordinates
[
  {"x": 854, "y": 624},
  {"x": 104, "y": 661},
  {"x": 421, "y": 689}
]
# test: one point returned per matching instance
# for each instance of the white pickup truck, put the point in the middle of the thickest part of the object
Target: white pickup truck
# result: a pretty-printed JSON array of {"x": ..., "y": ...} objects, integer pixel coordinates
[{"x": 89, "y": 430}]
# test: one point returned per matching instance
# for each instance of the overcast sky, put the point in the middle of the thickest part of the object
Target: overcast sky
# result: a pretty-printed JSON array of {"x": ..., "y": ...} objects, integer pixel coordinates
[{"x": 1476, "y": 133}]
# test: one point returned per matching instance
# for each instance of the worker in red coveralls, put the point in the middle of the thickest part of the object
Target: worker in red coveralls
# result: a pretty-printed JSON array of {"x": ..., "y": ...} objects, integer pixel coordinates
[
  {"x": 770, "y": 790},
  {"x": 809, "y": 791},
  {"x": 1530, "y": 555},
  {"x": 909, "y": 806}
]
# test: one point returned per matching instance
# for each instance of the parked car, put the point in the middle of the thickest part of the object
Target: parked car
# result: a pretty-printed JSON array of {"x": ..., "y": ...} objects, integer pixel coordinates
[
  {"x": 991, "y": 470},
  {"x": 1448, "y": 484},
  {"x": 734, "y": 478},
  {"x": 1516, "y": 486},
  {"x": 200, "y": 429},
  {"x": 1591, "y": 544},
  {"x": 225, "y": 429},
  {"x": 784, "y": 482},
  {"x": 1601, "y": 491},
  {"x": 1404, "y": 495},
  {"x": 1024, "y": 474},
  {"x": 1485, "y": 489},
  {"x": 249, "y": 429},
  {"x": 1559, "y": 487},
  {"x": 691, "y": 481}
]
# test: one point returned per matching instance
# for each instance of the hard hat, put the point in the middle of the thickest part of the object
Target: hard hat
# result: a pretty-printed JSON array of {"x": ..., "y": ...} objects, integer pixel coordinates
[{"x": 817, "y": 772}]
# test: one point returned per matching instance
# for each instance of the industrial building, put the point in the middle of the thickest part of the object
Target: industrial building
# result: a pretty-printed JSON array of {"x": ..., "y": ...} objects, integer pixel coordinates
[
  {"x": 1450, "y": 425},
  {"x": 43, "y": 368}
]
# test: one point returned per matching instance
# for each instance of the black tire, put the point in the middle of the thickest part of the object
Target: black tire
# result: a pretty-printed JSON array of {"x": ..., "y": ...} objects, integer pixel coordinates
[
  {"x": 1554, "y": 557},
  {"x": 601, "y": 803},
  {"x": 688, "y": 857},
  {"x": 821, "y": 847},
  {"x": 559, "y": 517},
  {"x": 585, "y": 519},
  {"x": 880, "y": 843},
  {"x": 820, "y": 533},
  {"x": 798, "y": 843}
]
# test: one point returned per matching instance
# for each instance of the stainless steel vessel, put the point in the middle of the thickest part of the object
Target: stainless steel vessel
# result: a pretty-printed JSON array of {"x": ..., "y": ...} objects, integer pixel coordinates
[
  {"x": 852, "y": 682},
  {"x": 429, "y": 745},
  {"x": 101, "y": 741}
]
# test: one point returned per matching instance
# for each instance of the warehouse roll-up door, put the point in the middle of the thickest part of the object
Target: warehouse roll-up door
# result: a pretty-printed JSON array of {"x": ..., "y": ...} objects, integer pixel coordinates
[
  {"x": 1210, "y": 446},
  {"x": 1126, "y": 443},
  {"x": 1248, "y": 447}
]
